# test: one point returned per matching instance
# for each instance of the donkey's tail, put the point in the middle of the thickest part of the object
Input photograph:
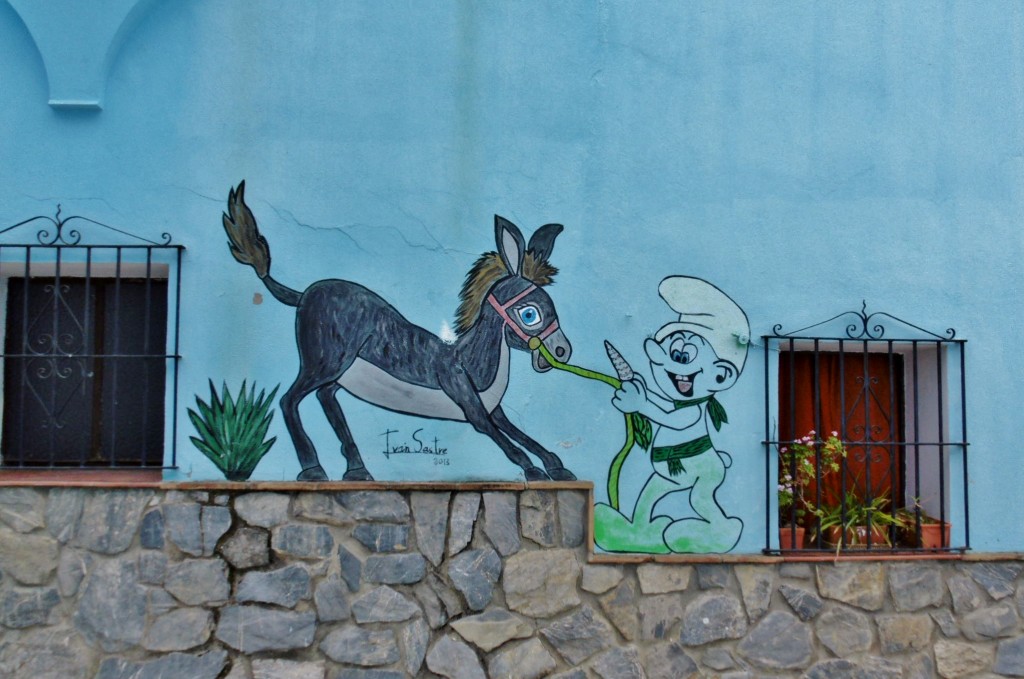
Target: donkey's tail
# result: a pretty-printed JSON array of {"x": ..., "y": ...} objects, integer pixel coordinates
[{"x": 248, "y": 245}]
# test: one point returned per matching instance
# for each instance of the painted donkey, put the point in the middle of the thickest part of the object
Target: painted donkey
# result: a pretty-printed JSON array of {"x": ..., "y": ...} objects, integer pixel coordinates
[{"x": 350, "y": 338}]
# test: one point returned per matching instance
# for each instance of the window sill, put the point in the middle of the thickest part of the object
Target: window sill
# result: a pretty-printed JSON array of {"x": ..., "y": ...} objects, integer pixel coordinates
[{"x": 817, "y": 557}]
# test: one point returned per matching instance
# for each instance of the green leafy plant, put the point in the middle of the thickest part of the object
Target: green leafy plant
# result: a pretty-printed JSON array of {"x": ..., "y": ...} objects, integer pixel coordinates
[
  {"x": 857, "y": 519},
  {"x": 232, "y": 430}
]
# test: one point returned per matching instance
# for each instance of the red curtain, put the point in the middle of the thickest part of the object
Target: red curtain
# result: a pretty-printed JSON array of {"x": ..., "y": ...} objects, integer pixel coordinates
[{"x": 868, "y": 387}]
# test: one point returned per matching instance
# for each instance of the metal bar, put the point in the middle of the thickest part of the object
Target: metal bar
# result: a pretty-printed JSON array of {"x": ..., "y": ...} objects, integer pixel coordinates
[
  {"x": 115, "y": 365},
  {"x": 895, "y": 340},
  {"x": 100, "y": 355},
  {"x": 891, "y": 375},
  {"x": 174, "y": 390},
  {"x": 904, "y": 442},
  {"x": 89, "y": 342},
  {"x": 868, "y": 449},
  {"x": 893, "y": 482},
  {"x": 55, "y": 347},
  {"x": 816, "y": 362},
  {"x": 767, "y": 458},
  {"x": 917, "y": 444},
  {"x": 25, "y": 345},
  {"x": 963, "y": 433},
  {"x": 791, "y": 462},
  {"x": 843, "y": 431},
  {"x": 942, "y": 436},
  {"x": 85, "y": 246},
  {"x": 145, "y": 364},
  {"x": 768, "y": 483},
  {"x": 893, "y": 471},
  {"x": 4, "y": 443},
  {"x": 93, "y": 467}
]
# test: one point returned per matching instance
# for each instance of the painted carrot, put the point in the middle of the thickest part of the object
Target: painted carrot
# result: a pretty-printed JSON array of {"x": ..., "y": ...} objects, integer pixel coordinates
[{"x": 622, "y": 369}]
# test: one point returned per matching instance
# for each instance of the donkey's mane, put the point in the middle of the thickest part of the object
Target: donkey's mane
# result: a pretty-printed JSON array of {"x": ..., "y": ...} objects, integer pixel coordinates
[{"x": 488, "y": 270}]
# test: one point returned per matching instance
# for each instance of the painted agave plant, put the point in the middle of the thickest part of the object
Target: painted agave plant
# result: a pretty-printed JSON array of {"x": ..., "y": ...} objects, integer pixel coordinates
[{"x": 232, "y": 430}]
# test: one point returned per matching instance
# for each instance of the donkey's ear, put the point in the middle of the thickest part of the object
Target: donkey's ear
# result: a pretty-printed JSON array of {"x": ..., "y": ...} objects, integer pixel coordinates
[
  {"x": 542, "y": 242},
  {"x": 511, "y": 245}
]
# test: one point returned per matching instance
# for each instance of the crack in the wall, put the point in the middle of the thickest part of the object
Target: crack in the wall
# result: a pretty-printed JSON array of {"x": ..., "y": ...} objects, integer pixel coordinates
[
  {"x": 416, "y": 246},
  {"x": 212, "y": 199},
  {"x": 288, "y": 216},
  {"x": 438, "y": 247}
]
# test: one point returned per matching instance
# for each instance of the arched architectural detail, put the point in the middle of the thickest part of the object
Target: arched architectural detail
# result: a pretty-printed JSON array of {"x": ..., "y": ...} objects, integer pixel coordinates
[{"x": 78, "y": 43}]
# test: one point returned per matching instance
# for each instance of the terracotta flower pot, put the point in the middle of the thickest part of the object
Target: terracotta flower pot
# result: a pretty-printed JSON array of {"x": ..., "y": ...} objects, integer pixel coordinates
[
  {"x": 791, "y": 538},
  {"x": 857, "y": 537},
  {"x": 935, "y": 535}
]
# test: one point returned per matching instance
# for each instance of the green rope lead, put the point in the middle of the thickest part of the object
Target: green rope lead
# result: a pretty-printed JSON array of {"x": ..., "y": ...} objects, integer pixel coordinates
[
  {"x": 537, "y": 345},
  {"x": 615, "y": 469}
]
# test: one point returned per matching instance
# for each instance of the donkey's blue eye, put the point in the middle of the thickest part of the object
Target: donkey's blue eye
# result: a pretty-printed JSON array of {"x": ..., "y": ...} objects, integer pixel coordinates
[{"x": 529, "y": 315}]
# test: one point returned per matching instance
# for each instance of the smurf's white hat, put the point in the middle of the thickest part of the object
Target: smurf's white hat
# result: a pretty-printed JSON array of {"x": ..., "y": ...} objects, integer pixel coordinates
[{"x": 706, "y": 311}]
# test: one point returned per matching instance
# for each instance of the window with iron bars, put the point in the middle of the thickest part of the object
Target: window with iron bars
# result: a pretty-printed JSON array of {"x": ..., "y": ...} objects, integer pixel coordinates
[
  {"x": 90, "y": 347},
  {"x": 865, "y": 437}
]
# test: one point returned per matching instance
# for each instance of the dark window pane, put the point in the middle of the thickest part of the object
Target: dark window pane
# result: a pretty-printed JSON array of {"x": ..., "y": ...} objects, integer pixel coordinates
[{"x": 84, "y": 372}]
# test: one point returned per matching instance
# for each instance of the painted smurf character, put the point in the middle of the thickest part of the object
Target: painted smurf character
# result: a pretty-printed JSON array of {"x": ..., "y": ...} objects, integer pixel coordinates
[{"x": 692, "y": 360}]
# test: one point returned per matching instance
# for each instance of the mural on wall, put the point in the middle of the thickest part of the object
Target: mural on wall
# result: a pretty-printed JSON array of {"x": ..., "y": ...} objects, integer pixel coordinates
[
  {"x": 349, "y": 338},
  {"x": 692, "y": 359}
]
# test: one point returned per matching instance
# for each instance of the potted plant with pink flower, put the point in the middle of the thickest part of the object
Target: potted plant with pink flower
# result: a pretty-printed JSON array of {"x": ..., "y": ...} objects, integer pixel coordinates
[{"x": 807, "y": 460}]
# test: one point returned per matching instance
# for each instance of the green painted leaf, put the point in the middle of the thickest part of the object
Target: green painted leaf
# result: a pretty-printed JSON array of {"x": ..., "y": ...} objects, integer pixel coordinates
[
  {"x": 717, "y": 414},
  {"x": 642, "y": 430},
  {"x": 202, "y": 428}
]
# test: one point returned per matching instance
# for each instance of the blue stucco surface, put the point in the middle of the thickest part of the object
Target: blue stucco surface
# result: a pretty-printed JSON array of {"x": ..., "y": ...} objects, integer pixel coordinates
[{"x": 801, "y": 156}]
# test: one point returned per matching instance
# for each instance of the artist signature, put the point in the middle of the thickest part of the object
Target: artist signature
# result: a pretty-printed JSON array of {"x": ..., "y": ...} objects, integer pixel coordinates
[{"x": 419, "y": 447}]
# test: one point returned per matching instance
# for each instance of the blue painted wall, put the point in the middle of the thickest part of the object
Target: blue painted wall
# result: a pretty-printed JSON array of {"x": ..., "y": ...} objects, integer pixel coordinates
[{"x": 801, "y": 156}]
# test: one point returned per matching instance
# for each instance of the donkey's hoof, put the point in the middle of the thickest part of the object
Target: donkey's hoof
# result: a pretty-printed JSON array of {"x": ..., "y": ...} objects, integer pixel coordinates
[
  {"x": 316, "y": 473},
  {"x": 536, "y": 474},
  {"x": 561, "y": 474},
  {"x": 357, "y": 474}
]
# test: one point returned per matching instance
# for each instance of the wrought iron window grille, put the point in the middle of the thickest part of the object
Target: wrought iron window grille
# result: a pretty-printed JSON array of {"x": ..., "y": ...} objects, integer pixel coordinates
[
  {"x": 897, "y": 405},
  {"x": 90, "y": 345}
]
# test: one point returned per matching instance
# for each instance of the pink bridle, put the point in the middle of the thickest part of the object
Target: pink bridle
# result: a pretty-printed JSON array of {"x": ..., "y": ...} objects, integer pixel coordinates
[{"x": 502, "y": 310}]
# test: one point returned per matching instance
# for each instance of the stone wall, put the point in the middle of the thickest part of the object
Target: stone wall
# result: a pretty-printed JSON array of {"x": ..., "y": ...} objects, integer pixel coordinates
[{"x": 149, "y": 584}]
